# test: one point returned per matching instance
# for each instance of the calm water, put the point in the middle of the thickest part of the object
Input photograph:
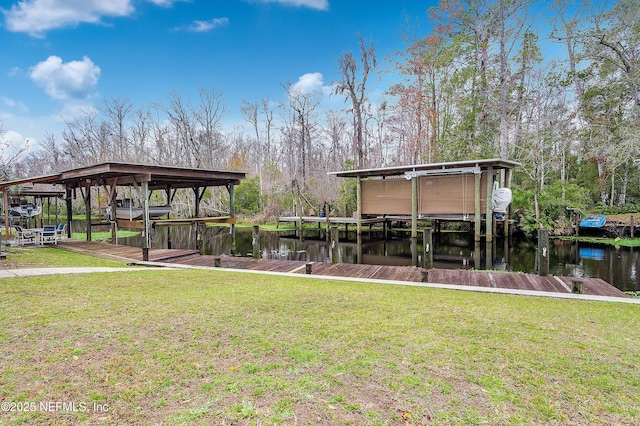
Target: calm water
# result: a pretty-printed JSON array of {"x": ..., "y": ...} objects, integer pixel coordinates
[{"x": 620, "y": 267}]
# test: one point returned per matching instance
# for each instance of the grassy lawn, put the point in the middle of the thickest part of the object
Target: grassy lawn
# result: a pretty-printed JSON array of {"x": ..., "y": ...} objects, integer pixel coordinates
[
  {"x": 104, "y": 235},
  {"x": 213, "y": 347},
  {"x": 49, "y": 256},
  {"x": 616, "y": 242}
]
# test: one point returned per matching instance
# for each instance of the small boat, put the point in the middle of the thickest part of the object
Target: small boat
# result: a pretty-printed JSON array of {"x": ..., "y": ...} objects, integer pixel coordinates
[
  {"x": 591, "y": 253},
  {"x": 125, "y": 209},
  {"x": 593, "y": 221},
  {"x": 27, "y": 210}
]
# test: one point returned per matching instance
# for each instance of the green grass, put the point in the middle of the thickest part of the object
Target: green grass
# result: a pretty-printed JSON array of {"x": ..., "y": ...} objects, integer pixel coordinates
[
  {"x": 214, "y": 347},
  {"x": 104, "y": 236},
  {"x": 616, "y": 242},
  {"x": 49, "y": 256}
]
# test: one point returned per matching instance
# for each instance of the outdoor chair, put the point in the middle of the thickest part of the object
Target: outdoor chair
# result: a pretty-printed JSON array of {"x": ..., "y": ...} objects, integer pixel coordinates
[
  {"x": 49, "y": 234},
  {"x": 60, "y": 231},
  {"x": 24, "y": 237}
]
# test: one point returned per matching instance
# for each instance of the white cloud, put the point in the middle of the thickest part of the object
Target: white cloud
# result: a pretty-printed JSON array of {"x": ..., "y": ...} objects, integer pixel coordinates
[
  {"x": 14, "y": 105},
  {"x": 309, "y": 83},
  {"x": 35, "y": 17},
  {"x": 167, "y": 3},
  {"x": 204, "y": 26},
  {"x": 73, "y": 80},
  {"x": 11, "y": 137},
  {"x": 15, "y": 72},
  {"x": 312, "y": 4}
]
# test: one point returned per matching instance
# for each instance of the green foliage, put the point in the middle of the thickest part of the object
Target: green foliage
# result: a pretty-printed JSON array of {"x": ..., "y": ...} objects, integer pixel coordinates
[
  {"x": 347, "y": 201},
  {"x": 627, "y": 208},
  {"x": 348, "y": 188},
  {"x": 247, "y": 196},
  {"x": 553, "y": 203}
]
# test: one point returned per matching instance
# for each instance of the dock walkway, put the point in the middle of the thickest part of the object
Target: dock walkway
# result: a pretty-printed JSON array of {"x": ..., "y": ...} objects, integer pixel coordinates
[
  {"x": 123, "y": 253},
  {"x": 328, "y": 221},
  {"x": 465, "y": 278}
]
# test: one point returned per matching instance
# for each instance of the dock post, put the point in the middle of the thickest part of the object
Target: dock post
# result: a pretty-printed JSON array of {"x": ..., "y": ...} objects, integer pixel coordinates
[
  {"x": 255, "y": 241},
  {"x": 424, "y": 276},
  {"x": 477, "y": 215},
  {"x": 488, "y": 253},
  {"x": 427, "y": 245},
  {"x": 87, "y": 209},
  {"x": 335, "y": 237},
  {"x": 414, "y": 207},
  {"x": 576, "y": 286},
  {"x": 543, "y": 252},
  {"x": 414, "y": 221},
  {"x": 217, "y": 262},
  {"x": 358, "y": 205},
  {"x": 385, "y": 229},
  {"x": 146, "y": 224},
  {"x": 633, "y": 226},
  {"x": 68, "y": 208},
  {"x": 489, "y": 219},
  {"x": 308, "y": 267}
]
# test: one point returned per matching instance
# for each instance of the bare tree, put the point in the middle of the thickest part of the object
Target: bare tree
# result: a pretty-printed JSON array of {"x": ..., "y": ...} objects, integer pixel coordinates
[
  {"x": 208, "y": 115},
  {"x": 86, "y": 139},
  {"x": 303, "y": 106},
  {"x": 353, "y": 87},
  {"x": 9, "y": 158},
  {"x": 141, "y": 131},
  {"x": 116, "y": 112}
]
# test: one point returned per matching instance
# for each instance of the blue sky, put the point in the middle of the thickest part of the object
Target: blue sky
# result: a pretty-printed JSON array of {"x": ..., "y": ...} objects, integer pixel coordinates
[{"x": 63, "y": 56}]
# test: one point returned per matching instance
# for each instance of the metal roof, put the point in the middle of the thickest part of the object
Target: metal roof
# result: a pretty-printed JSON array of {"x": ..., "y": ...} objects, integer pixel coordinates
[
  {"x": 124, "y": 174},
  {"x": 496, "y": 163}
]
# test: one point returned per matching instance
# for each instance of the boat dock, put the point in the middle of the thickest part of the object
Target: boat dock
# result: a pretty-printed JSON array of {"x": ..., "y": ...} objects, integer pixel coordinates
[
  {"x": 453, "y": 277},
  {"x": 328, "y": 221}
]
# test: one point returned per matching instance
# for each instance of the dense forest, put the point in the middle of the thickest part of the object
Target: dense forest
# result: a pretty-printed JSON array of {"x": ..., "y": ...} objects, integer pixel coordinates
[{"x": 489, "y": 81}]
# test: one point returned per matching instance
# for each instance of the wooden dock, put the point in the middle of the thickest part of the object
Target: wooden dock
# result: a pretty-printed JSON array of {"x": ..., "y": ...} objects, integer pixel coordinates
[
  {"x": 123, "y": 253},
  {"x": 138, "y": 224},
  {"x": 502, "y": 280},
  {"x": 498, "y": 280},
  {"x": 328, "y": 221}
]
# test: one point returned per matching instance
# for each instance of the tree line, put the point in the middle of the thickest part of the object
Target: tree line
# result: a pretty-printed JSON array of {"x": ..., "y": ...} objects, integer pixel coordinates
[{"x": 490, "y": 79}]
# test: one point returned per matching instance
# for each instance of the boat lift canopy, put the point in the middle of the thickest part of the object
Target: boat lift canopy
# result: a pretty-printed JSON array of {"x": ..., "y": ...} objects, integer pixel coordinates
[{"x": 144, "y": 176}]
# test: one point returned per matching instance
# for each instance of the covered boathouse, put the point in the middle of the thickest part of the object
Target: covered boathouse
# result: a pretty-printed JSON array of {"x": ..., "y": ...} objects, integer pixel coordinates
[
  {"x": 143, "y": 179},
  {"x": 452, "y": 191}
]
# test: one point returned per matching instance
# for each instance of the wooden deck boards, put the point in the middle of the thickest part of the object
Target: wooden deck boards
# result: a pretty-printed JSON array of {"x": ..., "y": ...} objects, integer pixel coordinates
[
  {"x": 113, "y": 251},
  {"x": 502, "y": 280}
]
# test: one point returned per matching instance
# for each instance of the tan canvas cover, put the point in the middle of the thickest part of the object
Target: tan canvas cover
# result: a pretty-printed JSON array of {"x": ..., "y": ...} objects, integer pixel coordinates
[
  {"x": 451, "y": 194},
  {"x": 386, "y": 196}
]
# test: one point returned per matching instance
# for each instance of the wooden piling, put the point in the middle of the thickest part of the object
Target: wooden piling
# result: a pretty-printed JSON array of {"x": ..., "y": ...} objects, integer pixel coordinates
[
  {"x": 477, "y": 208},
  {"x": 543, "y": 252},
  {"x": 217, "y": 262},
  {"x": 489, "y": 219},
  {"x": 414, "y": 207},
  {"x": 308, "y": 267},
  {"x": 87, "y": 209},
  {"x": 427, "y": 246},
  {"x": 335, "y": 239},
  {"x": 576, "y": 286},
  {"x": 255, "y": 242}
]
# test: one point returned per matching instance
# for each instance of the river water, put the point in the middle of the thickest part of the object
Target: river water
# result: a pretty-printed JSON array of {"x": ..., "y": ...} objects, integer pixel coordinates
[{"x": 619, "y": 267}]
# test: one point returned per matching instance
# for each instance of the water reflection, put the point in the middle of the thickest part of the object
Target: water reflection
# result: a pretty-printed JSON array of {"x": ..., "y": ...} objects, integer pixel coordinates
[{"x": 620, "y": 267}]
